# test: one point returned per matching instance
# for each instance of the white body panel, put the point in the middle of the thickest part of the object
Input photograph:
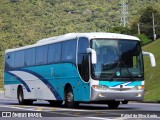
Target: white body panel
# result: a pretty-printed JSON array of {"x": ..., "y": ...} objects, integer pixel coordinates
[
  {"x": 38, "y": 89},
  {"x": 76, "y": 35}
]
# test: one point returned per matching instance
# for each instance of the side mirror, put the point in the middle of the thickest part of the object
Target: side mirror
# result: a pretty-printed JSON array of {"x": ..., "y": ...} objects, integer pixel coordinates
[
  {"x": 93, "y": 55},
  {"x": 152, "y": 58}
]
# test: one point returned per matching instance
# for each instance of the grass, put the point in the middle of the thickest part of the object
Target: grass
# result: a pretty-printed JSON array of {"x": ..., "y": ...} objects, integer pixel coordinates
[
  {"x": 152, "y": 74},
  {"x": 1, "y": 85}
]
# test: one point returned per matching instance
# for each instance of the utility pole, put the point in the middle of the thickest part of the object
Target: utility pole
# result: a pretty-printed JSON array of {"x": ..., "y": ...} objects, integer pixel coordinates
[
  {"x": 124, "y": 13},
  {"x": 154, "y": 34},
  {"x": 139, "y": 32}
]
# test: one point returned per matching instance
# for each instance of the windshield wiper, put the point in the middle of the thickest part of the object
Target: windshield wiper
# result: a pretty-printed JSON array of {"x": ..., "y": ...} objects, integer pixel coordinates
[
  {"x": 112, "y": 76},
  {"x": 121, "y": 62},
  {"x": 130, "y": 74}
]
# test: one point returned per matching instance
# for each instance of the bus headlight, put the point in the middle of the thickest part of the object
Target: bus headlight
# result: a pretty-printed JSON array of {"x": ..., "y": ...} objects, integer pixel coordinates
[
  {"x": 139, "y": 87},
  {"x": 100, "y": 87}
]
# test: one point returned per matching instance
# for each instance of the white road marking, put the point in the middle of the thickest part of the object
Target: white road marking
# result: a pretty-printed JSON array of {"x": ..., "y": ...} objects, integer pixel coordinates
[
  {"x": 99, "y": 118},
  {"x": 60, "y": 113},
  {"x": 18, "y": 108},
  {"x": 35, "y": 108}
]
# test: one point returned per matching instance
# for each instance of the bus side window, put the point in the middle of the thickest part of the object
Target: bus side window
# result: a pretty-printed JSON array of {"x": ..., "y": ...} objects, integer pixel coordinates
[
  {"x": 69, "y": 51},
  {"x": 9, "y": 60},
  {"x": 19, "y": 59},
  {"x": 83, "y": 58},
  {"x": 41, "y": 55},
  {"x": 54, "y": 53},
  {"x": 30, "y": 56}
]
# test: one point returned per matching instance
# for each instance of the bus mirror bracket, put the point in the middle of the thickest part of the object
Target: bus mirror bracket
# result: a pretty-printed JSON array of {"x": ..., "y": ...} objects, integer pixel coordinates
[
  {"x": 152, "y": 58},
  {"x": 93, "y": 55}
]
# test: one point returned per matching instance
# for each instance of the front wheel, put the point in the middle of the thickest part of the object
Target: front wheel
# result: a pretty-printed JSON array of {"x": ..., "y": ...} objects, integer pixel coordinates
[
  {"x": 69, "y": 99},
  {"x": 113, "y": 104},
  {"x": 124, "y": 102},
  {"x": 55, "y": 103}
]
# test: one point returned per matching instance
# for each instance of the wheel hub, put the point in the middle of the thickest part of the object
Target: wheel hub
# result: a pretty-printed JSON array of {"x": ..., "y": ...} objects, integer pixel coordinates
[{"x": 69, "y": 97}]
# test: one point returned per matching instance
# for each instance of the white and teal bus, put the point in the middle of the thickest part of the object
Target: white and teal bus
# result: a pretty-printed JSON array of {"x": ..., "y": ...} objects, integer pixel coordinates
[{"x": 77, "y": 68}]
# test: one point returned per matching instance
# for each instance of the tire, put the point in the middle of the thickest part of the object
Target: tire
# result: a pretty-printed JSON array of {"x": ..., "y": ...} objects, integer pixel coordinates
[
  {"x": 113, "y": 104},
  {"x": 28, "y": 102},
  {"x": 55, "y": 103},
  {"x": 69, "y": 99},
  {"x": 124, "y": 102},
  {"x": 21, "y": 99}
]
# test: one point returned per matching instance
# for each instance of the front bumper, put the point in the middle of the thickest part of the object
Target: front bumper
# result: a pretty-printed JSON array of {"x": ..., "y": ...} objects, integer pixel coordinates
[{"x": 128, "y": 95}]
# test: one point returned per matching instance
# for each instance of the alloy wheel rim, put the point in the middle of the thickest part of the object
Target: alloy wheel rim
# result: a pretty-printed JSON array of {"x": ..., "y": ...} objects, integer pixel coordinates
[{"x": 69, "y": 97}]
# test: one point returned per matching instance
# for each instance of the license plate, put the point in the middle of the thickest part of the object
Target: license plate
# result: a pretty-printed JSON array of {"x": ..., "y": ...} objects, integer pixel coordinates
[{"x": 119, "y": 99}]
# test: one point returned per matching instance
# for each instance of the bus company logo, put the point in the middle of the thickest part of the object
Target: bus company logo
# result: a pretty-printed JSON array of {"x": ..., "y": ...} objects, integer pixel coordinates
[{"x": 6, "y": 114}]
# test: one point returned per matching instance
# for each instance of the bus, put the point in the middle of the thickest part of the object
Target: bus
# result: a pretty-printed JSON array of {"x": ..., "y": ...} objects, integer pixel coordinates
[{"x": 104, "y": 68}]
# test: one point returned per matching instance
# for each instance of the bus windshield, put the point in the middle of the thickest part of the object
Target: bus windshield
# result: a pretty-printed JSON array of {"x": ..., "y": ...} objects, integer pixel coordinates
[{"x": 117, "y": 59}]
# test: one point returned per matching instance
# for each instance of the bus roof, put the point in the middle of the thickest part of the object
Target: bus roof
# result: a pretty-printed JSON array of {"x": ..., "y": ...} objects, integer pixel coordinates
[{"x": 76, "y": 35}]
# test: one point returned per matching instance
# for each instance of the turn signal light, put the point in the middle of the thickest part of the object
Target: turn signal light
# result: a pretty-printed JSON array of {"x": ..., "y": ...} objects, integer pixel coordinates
[
  {"x": 100, "y": 87},
  {"x": 139, "y": 87}
]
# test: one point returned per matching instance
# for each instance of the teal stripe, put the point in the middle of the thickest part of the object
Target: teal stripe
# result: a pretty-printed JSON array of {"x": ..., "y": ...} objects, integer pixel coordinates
[
  {"x": 117, "y": 83},
  {"x": 111, "y": 83}
]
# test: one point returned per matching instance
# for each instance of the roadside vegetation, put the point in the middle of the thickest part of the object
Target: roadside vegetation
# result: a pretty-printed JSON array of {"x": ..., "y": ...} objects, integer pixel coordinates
[{"x": 152, "y": 75}]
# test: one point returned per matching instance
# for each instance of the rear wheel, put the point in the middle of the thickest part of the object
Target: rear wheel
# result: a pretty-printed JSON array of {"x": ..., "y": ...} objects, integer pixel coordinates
[
  {"x": 21, "y": 99},
  {"x": 69, "y": 99},
  {"x": 55, "y": 103},
  {"x": 125, "y": 102},
  {"x": 113, "y": 104}
]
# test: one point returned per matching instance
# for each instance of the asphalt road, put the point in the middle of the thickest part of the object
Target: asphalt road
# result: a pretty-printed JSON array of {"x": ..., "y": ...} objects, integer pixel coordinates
[{"x": 10, "y": 109}]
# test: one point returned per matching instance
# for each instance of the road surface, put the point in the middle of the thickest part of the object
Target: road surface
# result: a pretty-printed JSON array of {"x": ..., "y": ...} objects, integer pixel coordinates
[{"x": 40, "y": 110}]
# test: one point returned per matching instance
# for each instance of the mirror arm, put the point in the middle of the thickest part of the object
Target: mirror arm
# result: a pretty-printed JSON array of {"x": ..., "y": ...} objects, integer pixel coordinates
[
  {"x": 89, "y": 50},
  {"x": 151, "y": 56},
  {"x": 93, "y": 55}
]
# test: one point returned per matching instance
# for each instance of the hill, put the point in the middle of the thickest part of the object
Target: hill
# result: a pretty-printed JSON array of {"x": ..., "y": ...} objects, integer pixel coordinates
[
  {"x": 152, "y": 75},
  {"x": 23, "y": 22}
]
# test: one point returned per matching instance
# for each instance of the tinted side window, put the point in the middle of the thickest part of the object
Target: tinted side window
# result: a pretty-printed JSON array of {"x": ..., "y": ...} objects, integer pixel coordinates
[
  {"x": 54, "y": 52},
  {"x": 41, "y": 54},
  {"x": 83, "y": 44},
  {"x": 69, "y": 50},
  {"x": 83, "y": 58},
  {"x": 30, "y": 57},
  {"x": 19, "y": 58},
  {"x": 9, "y": 60}
]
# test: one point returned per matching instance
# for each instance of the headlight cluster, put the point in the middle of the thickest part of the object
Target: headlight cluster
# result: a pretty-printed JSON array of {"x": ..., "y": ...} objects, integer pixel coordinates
[
  {"x": 100, "y": 87},
  {"x": 139, "y": 87}
]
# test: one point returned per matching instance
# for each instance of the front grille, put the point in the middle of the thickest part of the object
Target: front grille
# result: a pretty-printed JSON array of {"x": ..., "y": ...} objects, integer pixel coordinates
[{"x": 120, "y": 89}]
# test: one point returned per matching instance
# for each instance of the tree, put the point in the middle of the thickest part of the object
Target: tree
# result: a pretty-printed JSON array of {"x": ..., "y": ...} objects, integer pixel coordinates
[
  {"x": 143, "y": 38},
  {"x": 146, "y": 22},
  {"x": 122, "y": 30}
]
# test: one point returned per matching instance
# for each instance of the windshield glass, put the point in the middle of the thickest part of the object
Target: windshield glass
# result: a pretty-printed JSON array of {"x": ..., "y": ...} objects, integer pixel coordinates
[{"x": 117, "y": 59}]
